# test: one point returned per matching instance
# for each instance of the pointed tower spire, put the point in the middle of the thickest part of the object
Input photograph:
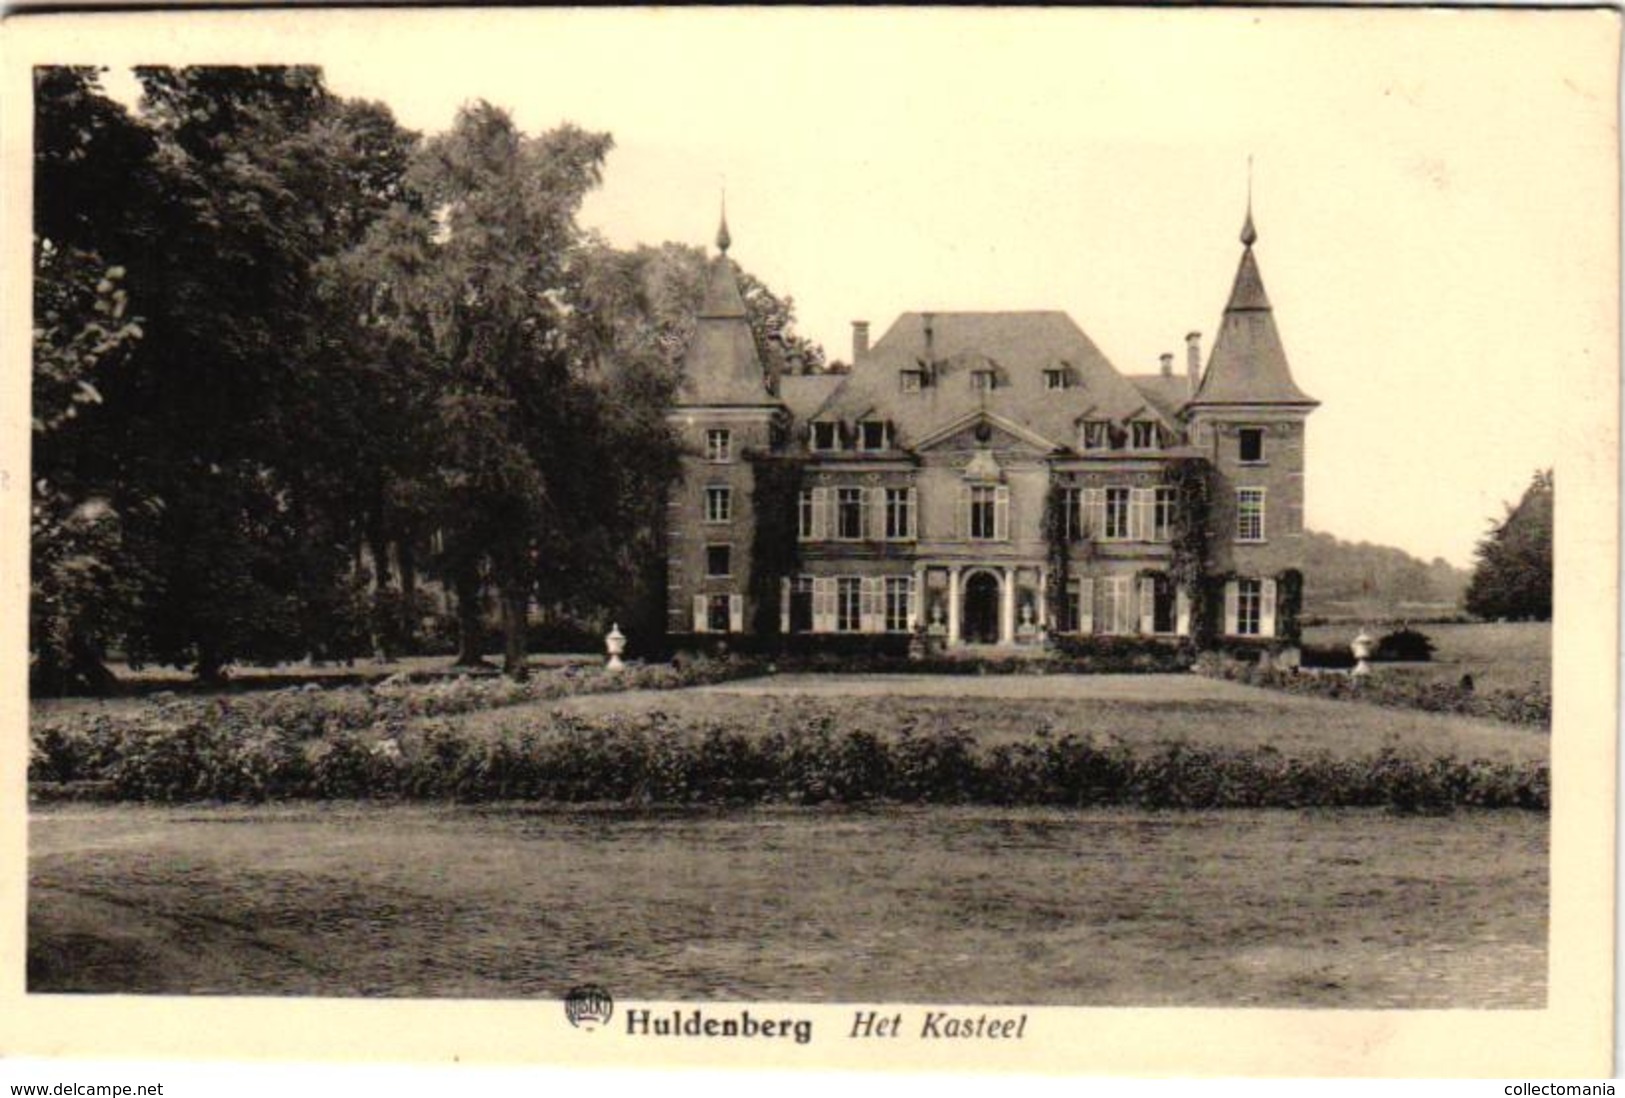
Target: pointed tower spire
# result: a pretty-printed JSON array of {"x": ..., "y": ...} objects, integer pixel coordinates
[
  {"x": 721, "y": 365},
  {"x": 1249, "y": 235},
  {"x": 724, "y": 240},
  {"x": 1248, "y": 364}
]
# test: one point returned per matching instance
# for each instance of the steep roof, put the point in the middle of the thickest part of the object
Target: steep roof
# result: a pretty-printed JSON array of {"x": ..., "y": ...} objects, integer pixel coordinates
[
  {"x": 1166, "y": 392},
  {"x": 804, "y": 394},
  {"x": 1017, "y": 346},
  {"x": 721, "y": 364},
  {"x": 1248, "y": 364}
]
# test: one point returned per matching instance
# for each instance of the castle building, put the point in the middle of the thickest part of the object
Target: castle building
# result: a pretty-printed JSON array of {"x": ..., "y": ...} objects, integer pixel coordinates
[{"x": 988, "y": 478}]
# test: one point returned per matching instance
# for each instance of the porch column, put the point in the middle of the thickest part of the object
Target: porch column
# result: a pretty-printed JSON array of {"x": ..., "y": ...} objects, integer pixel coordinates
[
  {"x": 953, "y": 605},
  {"x": 1007, "y": 608},
  {"x": 1041, "y": 615}
]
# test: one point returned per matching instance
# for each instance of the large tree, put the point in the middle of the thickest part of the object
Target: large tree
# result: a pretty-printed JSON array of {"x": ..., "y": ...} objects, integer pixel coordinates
[
  {"x": 473, "y": 291},
  {"x": 216, "y": 445},
  {"x": 1513, "y": 578}
]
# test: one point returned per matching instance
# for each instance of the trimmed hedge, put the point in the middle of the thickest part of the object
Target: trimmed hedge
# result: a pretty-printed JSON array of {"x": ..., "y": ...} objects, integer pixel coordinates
[
  {"x": 648, "y": 760},
  {"x": 1533, "y": 708}
]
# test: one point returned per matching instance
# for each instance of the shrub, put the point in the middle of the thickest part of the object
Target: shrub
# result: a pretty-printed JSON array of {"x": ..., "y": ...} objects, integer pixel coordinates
[
  {"x": 1403, "y": 645},
  {"x": 648, "y": 760},
  {"x": 1532, "y": 708}
]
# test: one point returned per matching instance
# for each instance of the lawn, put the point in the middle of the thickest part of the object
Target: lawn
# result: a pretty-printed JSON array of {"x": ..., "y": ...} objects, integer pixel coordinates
[
  {"x": 1347, "y": 908},
  {"x": 1145, "y": 711},
  {"x": 1512, "y": 655}
]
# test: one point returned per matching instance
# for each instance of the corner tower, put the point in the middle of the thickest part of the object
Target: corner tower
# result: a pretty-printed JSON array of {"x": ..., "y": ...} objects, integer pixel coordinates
[
  {"x": 1248, "y": 417},
  {"x": 726, "y": 408}
]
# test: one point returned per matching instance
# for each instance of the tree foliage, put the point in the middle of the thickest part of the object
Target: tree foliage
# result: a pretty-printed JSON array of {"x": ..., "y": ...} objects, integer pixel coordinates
[
  {"x": 1513, "y": 578},
  {"x": 290, "y": 358}
]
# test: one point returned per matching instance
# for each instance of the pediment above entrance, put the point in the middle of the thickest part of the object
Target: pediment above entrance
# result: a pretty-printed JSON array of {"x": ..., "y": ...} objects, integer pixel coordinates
[{"x": 985, "y": 431}]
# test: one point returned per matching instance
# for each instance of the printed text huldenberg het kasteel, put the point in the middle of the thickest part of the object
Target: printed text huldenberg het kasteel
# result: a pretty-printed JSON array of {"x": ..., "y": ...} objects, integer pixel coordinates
[{"x": 935, "y": 1024}]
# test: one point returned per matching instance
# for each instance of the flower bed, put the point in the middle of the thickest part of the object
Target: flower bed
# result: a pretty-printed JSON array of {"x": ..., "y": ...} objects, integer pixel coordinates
[
  {"x": 67, "y": 744},
  {"x": 650, "y": 759},
  {"x": 1532, "y": 708}
]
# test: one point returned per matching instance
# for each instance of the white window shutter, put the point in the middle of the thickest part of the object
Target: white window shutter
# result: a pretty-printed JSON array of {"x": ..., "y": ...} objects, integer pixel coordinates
[
  {"x": 1182, "y": 609},
  {"x": 701, "y": 618},
  {"x": 1232, "y": 605},
  {"x": 784, "y": 605},
  {"x": 1263, "y": 522},
  {"x": 1266, "y": 623},
  {"x": 823, "y": 605},
  {"x": 1134, "y": 526},
  {"x": 1001, "y": 513},
  {"x": 1086, "y": 605},
  {"x": 820, "y": 515},
  {"x": 874, "y": 604},
  {"x": 1095, "y": 507},
  {"x": 913, "y": 596},
  {"x": 1148, "y": 605},
  {"x": 736, "y": 613},
  {"x": 913, "y": 514},
  {"x": 832, "y": 512},
  {"x": 877, "y": 516}
]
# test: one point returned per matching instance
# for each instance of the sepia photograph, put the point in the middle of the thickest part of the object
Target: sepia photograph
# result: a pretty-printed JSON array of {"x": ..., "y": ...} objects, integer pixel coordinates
[{"x": 886, "y": 532}]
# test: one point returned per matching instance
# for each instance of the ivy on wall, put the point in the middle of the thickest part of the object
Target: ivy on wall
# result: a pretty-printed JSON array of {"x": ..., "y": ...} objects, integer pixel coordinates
[
  {"x": 1289, "y": 606},
  {"x": 1192, "y": 481},
  {"x": 775, "y": 551},
  {"x": 1059, "y": 550}
]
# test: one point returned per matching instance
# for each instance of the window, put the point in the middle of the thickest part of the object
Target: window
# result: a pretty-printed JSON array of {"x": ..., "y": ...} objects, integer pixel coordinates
[
  {"x": 804, "y": 514},
  {"x": 1068, "y": 618},
  {"x": 1143, "y": 435},
  {"x": 982, "y": 512},
  {"x": 1096, "y": 434},
  {"x": 801, "y": 604},
  {"x": 1251, "y": 444},
  {"x": 825, "y": 436},
  {"x": 1116, "y": 610},
  {"x": 716, "y": 614},
  {"x": 910, "y": 381},
  {"x": 719, "y": 505},
  {"x": 899, "y": 524},
  {"x": 1162, "y": 515},
  {"x": 982, "y": 380},
  {"x": 1117, "y": 504},
  {"x": 718, "y": 445},
  {"x": 874, "y": 434},
  {"x": 1055, "y": 379},
  {"x": 1072, "y": 514},
  {"x": 717, "y": 560},
  {"x": 849, "y": 513},
  {"x": 1249, "y": 607},
  {"x": 1249, "y": 514},
  {"x": 848, "y": 604},
  {"x": 897, "y": 600}
]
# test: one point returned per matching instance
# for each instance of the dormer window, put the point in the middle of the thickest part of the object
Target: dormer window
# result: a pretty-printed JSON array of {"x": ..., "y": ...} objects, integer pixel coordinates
[
  {"x": 911, "y": 381},
  {"x": 983, "y": 381},
  {"x": 874, "y": 434},
  {"x": 826, "y": 435},
  {"x": 1096, "y": 434},
  {"x": 1142, "y": 435},
  {"x": 1056, "y": 379}
]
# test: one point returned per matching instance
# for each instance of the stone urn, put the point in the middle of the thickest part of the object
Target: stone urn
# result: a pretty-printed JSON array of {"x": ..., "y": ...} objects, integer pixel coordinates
[
  {"x": 615, "y": 644},
  {"x": 1362, "y": 646}
]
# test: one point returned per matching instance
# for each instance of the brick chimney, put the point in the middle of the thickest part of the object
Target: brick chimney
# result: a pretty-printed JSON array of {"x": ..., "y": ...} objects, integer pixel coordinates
[
  {"x": 860, "y": 339},
  {"x": 1193, "y": 360},
  {"x": 1167, "y": 364}
]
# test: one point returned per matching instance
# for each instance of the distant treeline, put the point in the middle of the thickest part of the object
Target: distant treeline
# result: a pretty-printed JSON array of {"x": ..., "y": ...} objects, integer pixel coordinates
[{"x": 1343, "y": 577}]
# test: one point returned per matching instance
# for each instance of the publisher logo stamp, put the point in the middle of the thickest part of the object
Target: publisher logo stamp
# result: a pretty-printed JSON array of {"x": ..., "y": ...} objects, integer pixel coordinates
[{"x": 588, "y": 1006}]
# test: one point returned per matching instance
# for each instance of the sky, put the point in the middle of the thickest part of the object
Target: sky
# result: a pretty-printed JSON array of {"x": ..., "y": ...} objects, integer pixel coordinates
[{"x": 1434, "y": 192}]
